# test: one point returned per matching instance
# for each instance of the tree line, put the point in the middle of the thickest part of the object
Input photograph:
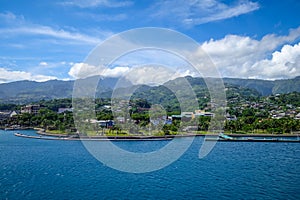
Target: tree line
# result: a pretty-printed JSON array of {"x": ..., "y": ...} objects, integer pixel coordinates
[{"x": 249, "y": 120}]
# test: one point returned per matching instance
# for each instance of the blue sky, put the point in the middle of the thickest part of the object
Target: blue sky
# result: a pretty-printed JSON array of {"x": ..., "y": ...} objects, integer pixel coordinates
[{"x": 43, "y": 40}]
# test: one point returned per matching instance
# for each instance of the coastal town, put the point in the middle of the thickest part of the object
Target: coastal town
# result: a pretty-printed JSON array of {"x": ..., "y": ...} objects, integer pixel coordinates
[{"x": 277, "y": 114}]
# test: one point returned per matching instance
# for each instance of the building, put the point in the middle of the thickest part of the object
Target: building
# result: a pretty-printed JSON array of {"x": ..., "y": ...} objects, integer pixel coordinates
[
  {"x": 187, "y": 114},
  {"x": 63, "y": 110},
  {"x": 7, "y": 114},
  {"x": 278, "y": 115},
  {"x": 199, "y": 113},
  {"x": 106, "y": 123},
  {"x": 31, "y": 109},
  {"x": 4, "y": 116},
  {"x": 102, "y": 123},
  {"x": 107, "y": 106},
  {"x": 176, "y": 117},
  {"x": 230, "y": 117}
]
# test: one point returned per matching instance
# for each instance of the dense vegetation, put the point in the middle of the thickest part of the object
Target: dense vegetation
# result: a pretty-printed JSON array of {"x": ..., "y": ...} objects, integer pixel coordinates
[{"x": 255, "y": 113}]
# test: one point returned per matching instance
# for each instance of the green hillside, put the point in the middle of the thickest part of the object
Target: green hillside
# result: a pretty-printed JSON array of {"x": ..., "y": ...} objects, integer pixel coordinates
[{"x": 30, "y": 91}]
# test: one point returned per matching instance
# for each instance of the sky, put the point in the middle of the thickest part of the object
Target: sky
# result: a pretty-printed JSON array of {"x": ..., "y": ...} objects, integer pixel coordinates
[{"x": 42, "y": 40}]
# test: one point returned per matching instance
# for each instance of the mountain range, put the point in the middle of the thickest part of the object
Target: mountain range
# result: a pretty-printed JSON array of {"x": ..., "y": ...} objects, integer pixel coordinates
[{"x": 30, "y": 91}]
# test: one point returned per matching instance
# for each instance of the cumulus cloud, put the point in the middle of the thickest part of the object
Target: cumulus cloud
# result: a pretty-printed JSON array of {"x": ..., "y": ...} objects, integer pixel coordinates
[
  {"x": 283, "y": 64},
  {"x": 9, "y": 76},
  {"x": 271, "y": 57},
  {"x": 154, "y": 75},
  {"x": 83, "y": 70},
  {"x": 145, "y": 74},
  {"x": 115, "y": 72},
  {"x": 241, "y": 56}
]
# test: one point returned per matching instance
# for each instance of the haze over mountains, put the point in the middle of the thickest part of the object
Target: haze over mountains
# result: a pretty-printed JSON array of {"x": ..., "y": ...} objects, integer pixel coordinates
[{"x": 30, "y": 91}]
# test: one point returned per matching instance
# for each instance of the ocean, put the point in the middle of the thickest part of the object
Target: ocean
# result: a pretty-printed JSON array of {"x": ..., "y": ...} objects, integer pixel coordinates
[{"x": 53, "y": 169}]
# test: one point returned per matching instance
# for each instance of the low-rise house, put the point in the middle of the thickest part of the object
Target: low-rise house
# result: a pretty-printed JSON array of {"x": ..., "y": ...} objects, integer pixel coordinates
[
  {"x": 13, "y": 113},
  {"x": 63, "y": 110},
  {"x": 31, "y": 109},
  {"x": 102, "y": 123},
  {"x": 199, "y": 113},
  {"x": 290, "y": 113},
  {"x": 231, "y": 117},
  {"x": 7, "y": 114},
  {"x": 187, "y": 114},
  {"x": 278, "y": 115},
  {"x": 106, "y": 123},
  {"x": 176, "y": 117},
  {"x": 4, "y": 116}
]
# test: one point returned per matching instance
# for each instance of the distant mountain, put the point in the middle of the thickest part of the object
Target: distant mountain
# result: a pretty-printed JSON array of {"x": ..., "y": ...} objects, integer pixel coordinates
[
  {"x": 286, "y": 86},
  {"x": 266, "y": 87},
  {"x": 30, "y": 91}
]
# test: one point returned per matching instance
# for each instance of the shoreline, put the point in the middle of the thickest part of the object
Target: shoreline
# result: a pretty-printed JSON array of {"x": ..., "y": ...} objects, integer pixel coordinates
[
  {"x": 42, "y": 132},
  {"x": 86, "y": 138},
  {"x": 153, "y": 138},
  {"x": 215, "y": 137}
]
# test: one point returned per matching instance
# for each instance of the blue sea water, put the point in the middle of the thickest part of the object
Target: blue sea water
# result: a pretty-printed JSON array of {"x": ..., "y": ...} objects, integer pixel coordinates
[{"x": 47, "y": 169}]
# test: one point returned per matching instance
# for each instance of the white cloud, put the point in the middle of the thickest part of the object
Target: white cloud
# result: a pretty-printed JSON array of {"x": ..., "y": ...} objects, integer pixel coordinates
[
  {"x": 97, "y": 3},
  {"x": 49, "y": 31},
  {"x": 224, "y": 12},
  {"x": 283, "y": 64},
  {"x": 17, "y": 25},
  {"x": 237, "y": 56},
  {"x": 154, "y": 75},
  {"x": 145, "y": 74},
  {"x": 147, "y": 56},
  {"x": 83, "y": 70},
  {"x": 7, "y": 16},
  {"x": 191, "y": 12},
  {"x": 9, "y": 76},
  {"x": 115, "y": 72},
  {"x": 43, "y": 64},
  {"x": 102, "y": 17}
]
